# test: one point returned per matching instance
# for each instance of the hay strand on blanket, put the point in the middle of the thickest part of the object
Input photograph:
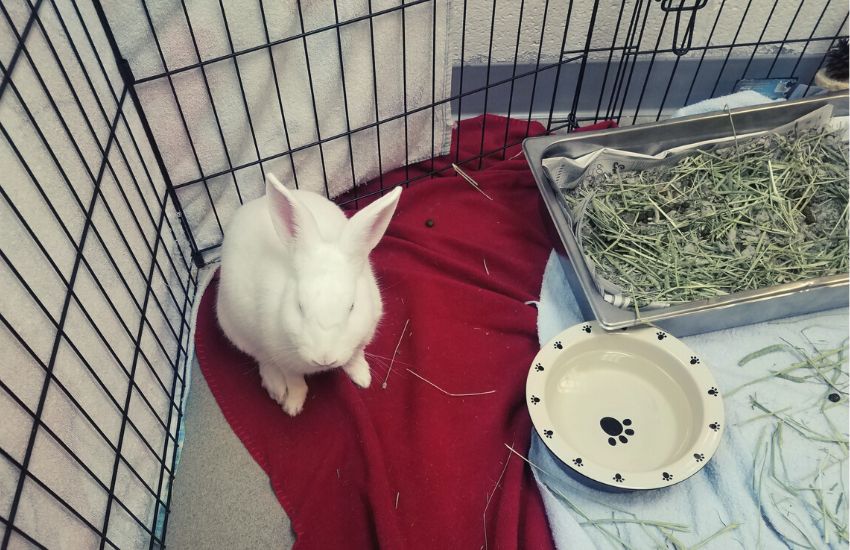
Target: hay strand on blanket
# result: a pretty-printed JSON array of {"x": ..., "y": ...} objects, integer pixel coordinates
[
  {"x": 521, "y": 152},
  {"x": 490, "y": 497},
  {"x": 395, "y": 352},
  {"x": 450, "y": 394},
  {"x": 469, "y": 180}
]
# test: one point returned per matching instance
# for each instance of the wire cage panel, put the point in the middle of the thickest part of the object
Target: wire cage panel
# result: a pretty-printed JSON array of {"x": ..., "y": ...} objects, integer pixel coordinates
[
  {"x": 98, "y": 282},
  {"x": 619, "y": 64},
  {"x": 235, "y": 89},
  {"x": 338, "y": 93},
  {"x": 132, "y": 131}
]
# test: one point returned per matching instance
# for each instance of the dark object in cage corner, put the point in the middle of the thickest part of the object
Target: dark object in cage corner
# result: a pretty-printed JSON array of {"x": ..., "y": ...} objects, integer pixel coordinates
[
  {"x": 836, "y": 62},
  {"x": 833, "y": 75},
  {"x": 683, "y": 45}
]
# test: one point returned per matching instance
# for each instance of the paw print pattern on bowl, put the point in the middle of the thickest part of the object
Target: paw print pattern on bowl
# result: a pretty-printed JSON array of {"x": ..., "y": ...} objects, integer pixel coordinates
[
  {"x": 578, "y": 462},
  {"x": 661, "y": 335},
  {"x": 713, "y": 392},
  {"x": 538, "y": 367},
  {"x": 559, "y": 345},
  {"x": 548, "y": 434},
  {"x": 618, "y": 478},
  {"x": 667, "y": 477},
  {"x": 586, "y": 328},
  {"x": 714, "y": 426},
  {"x": 615, "y": 429},
  {"x": 699, "y": 457},
  {"x": 694, "y": 360},
  {"x": 535, "y": 400}
]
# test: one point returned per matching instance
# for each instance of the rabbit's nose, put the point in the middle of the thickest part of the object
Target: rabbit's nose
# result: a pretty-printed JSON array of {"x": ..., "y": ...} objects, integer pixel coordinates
[{"x": 326, "y": 362}]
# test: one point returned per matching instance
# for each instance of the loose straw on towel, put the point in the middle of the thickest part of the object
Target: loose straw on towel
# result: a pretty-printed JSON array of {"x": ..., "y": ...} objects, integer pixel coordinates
[
  {"x": 471, "y": 181},
  {"x": 490, "y": 497},
  {"x": 450, "y": 394},
  {"x": 598, "y": 524},
  {"x": 485, "y": 265},
  {"x": 530, "y": 463},
  {"x": 384, "y": 384},
  {"x": 564, "y": 497}
]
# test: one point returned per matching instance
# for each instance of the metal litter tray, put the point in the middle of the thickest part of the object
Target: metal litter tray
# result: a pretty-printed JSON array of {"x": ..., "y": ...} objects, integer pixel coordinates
[{"x": 717, "y": 313}]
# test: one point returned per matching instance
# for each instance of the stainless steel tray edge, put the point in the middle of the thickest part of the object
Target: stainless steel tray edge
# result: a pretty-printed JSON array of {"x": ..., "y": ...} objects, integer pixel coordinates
[{"x": 706, "y": 315}]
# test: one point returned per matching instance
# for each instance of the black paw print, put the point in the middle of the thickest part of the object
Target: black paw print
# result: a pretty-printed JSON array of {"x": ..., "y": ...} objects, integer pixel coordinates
[
  {"x": 578, "y": 462},
  {"x": 618, "y": 478},
  {"x": 614, "y": 428},
  {"x": 538, "y": 367},
  {"x": 559, "y": 345},
  {"x": 586, "y": 328},
  {"x": 713, "y": 392},
  {"x": 548, "y": 434},
  {"x": 714, "y": 426},
  {"x": 694, "y": 360},
  {"x": 699, "y": 457},
  {"x": 667, "y": 477},
  {"x": 661, "y": 335},
  {"x": 535, "y": 400}
]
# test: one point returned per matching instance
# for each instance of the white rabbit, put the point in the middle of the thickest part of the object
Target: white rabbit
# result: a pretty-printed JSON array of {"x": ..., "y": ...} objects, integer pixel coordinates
[{"x": 296, "y": 289}]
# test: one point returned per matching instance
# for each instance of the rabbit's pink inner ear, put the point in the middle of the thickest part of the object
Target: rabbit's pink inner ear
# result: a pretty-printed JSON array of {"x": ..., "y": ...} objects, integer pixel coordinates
[
  {"x": 283, "y": 209},
  {"x": 365, "y": 228}
]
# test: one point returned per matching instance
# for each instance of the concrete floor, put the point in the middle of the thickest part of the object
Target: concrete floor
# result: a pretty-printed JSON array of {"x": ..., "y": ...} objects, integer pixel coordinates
[{"x": 221, "y": 497}]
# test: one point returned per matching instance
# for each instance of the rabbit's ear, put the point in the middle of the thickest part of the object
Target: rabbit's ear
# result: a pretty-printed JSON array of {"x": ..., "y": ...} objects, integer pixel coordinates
[
  {"x": 289, "y": 217},
  {"x": 365, "y": 229}
]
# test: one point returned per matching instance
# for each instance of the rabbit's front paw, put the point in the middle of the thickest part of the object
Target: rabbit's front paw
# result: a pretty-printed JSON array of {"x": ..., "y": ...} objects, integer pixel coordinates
[
  {"x": 274, "y": 383},
  {"x": 296, "y": 395},
  {"x": 358, "y": 370},
  {"x": 294, "y": 402}
]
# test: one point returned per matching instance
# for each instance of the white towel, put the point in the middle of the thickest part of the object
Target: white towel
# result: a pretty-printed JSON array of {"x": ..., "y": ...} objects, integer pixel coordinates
[
  {"x": 245, "y": 23},
  {"x": 723, "y": 492},
  {"x": 744, "y": 98}
]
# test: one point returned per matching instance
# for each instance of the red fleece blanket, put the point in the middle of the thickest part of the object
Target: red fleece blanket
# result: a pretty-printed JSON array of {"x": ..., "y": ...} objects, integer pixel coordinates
[{"x": 409, "y": 466}]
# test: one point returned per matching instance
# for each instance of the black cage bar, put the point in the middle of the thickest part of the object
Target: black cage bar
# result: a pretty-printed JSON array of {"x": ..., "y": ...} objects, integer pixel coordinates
[{"x": 131, "y": 132}]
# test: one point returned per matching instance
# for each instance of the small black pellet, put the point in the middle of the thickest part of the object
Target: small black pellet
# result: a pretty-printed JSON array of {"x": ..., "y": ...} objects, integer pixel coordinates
[
  {"x": 429, "y": 223},
  {"x": 834, "y": 397}
]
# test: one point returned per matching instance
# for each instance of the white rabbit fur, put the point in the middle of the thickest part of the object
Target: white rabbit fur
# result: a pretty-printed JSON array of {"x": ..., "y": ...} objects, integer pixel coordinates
[{"x": 296, "y": 289}]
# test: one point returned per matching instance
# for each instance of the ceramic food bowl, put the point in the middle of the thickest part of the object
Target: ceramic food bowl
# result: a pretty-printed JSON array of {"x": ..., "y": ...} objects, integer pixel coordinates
[{"x": 625, "y": 410}]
